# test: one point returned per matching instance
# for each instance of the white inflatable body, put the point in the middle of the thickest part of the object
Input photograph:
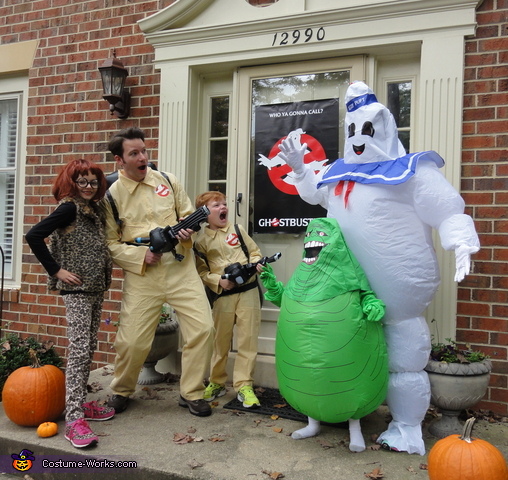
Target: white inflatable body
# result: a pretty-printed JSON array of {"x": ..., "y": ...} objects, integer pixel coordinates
[{"x": 387, "y": 219}]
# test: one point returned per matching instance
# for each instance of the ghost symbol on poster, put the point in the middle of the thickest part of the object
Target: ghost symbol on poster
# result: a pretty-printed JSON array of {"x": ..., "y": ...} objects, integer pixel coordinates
[{"x": 280, "y": 173}]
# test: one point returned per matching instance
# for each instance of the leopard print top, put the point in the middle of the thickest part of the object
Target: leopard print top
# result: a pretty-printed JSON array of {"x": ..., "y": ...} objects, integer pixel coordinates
[{"x": 81, "y": 248}]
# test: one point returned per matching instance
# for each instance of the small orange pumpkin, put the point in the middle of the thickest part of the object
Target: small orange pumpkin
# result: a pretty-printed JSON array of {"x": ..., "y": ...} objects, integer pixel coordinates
[
  {"x": 32, "y": 395},
  {"x": 462, "y": 457},
  {"x": 47, "y": 429}
]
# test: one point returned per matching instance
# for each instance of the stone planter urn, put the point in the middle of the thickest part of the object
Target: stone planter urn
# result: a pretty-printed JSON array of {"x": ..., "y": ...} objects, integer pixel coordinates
[
  {"x": 164, "y": 342},
  {"x": 455, "y": 387}
]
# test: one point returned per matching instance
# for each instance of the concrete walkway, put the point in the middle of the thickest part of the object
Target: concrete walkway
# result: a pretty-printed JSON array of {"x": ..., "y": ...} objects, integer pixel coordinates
[{"x": 166, "y": 442}]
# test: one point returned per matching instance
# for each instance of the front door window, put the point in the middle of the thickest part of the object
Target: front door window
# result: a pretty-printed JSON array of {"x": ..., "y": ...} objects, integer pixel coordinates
[{"x": 218, "y": 143}]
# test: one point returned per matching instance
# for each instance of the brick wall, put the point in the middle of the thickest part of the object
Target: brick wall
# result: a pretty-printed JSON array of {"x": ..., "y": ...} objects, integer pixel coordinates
[
  {"x": 69, "y": 118},
  {"x": 483, "y": 298}
]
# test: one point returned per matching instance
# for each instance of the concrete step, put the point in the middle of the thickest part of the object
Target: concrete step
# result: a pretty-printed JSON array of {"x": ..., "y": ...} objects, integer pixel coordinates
[{"x": 228, "y": 445}]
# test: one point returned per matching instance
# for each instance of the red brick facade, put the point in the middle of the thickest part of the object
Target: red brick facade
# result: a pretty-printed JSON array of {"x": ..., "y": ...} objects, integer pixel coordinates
[
  {"x": 67, "y": 117},
  {"x": 483, "y": 298}
]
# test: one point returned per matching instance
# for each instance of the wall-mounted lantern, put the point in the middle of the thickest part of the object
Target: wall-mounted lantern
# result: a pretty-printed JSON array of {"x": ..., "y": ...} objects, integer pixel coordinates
[{"x": 113, "y": 75}]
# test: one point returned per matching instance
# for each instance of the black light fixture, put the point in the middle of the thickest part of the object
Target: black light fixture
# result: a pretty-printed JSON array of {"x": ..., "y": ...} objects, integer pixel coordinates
[{"x": 113, "y": 75}]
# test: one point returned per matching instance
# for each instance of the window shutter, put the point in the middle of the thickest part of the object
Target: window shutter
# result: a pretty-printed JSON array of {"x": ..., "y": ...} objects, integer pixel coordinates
[{"x": 8, "y": 155}]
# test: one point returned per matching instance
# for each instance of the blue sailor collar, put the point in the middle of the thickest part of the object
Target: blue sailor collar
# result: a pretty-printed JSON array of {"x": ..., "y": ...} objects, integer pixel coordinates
[{"x": 390, "y": 172}]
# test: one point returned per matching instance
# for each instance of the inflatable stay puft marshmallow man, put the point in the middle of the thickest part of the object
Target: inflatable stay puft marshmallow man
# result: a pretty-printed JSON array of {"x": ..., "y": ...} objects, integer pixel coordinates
[
  {"x": 330, "y": 350},
  {"x": 387, "y": 203}
]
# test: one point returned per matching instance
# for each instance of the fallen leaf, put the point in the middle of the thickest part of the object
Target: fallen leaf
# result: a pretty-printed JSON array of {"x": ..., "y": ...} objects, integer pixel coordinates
[
  {"x": 277, "y": 429},
  {"x": 151, "y": 394},
  {"x": 93, "y": 387},
  {"x": 280, "y": 405},
  {"x": 273, "y": 475},
  {"x": 216, "y": 439},
  {"x": 423, "y": 466},
  {"x": 376, "y": 473},
  {"x": 374, "y": 447},
  {"x": 194, "y": 464},
  {"x": 274, "y": 417},
  {"x": 410, "y": 469},
  {"x": 182, "y": 438},
  {"x": 191, "y": 430},
  {"x": 324, "y": 443},
  {"x": 257, "y": 422}
]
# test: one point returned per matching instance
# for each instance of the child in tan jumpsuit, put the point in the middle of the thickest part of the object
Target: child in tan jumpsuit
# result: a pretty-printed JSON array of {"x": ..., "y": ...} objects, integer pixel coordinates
[{"x": 219, "y": 245}]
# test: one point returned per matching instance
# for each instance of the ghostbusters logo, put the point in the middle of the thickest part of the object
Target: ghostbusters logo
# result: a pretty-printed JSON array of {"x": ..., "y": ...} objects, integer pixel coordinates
[
  {"x": 232, "y": 239},
  {"x": 162, "y": 190}
]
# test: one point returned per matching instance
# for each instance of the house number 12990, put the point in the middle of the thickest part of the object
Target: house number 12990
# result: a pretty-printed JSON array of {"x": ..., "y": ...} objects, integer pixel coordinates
[{"x": 298, "y": 36}]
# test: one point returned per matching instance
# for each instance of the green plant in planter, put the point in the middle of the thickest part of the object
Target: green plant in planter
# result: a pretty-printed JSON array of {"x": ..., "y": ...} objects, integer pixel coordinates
[
  {"x": 166, "y": 314},
  {"x": 15, "y": 353},
  {"x": 167, "y": 320},
  {"x": 459, "y": 378},
  {"x": 451, "y": 353}
]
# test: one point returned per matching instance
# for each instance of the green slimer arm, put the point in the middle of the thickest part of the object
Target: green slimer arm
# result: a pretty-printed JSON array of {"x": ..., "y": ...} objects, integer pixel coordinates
[
  {"x": 373, "y": 308},
  {"x": 274, "y": 288}
]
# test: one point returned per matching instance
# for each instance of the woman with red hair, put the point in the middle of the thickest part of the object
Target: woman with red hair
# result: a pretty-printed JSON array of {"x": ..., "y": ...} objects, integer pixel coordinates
[{"x": 79, "y": 266}]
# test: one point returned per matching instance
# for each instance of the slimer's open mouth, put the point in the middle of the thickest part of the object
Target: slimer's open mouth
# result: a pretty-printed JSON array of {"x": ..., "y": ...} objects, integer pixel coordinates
[{"x": 312, "y": 250}]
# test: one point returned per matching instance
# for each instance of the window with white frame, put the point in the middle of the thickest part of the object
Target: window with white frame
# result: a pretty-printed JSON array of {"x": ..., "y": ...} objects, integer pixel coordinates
[
  {"x": 9, "y": 141},
  {"x": 399, "y": 104},
  {"x": 218, "y": 143}
]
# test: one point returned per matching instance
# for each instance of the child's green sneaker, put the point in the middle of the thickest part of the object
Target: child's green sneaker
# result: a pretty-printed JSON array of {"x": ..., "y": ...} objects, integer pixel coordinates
[
  {"x": 248, "y": 397},
  {"x": 213, "y": 390}
]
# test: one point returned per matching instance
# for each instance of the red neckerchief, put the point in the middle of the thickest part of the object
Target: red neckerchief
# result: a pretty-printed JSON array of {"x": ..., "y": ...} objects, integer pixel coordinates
[{"x": 349, "y": 188}]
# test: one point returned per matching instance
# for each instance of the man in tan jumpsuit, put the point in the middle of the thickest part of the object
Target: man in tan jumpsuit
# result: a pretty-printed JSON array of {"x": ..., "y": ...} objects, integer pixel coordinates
[{"x": 146, "y": 199}]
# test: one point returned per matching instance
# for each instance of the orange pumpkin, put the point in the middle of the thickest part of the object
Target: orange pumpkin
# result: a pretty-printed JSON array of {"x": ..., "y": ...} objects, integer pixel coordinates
[
  {"x": 47, "y": 429},
  {"x": 462, "y": 457},
  {"x": 32, "y": 395}
]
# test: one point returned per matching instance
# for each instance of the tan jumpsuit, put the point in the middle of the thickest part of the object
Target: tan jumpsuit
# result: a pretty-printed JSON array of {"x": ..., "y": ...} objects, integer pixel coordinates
[
  {"x": 240, "y": 310},
  {"x": 143, "y": 206}
]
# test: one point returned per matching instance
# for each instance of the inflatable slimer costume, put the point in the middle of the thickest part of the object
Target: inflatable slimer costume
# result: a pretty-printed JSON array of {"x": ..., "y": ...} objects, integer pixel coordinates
[{"x": 330, "y": 351}]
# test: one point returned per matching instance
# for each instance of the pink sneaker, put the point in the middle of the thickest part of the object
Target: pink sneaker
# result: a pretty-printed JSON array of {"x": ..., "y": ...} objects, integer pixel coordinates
[
  {"x": 97, "y": 413},
  {"x": 80, "y": 434}
]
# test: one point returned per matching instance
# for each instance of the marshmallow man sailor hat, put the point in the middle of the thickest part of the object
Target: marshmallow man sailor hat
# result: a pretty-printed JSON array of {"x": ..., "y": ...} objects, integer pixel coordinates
[{"x": 371, "y": 132}]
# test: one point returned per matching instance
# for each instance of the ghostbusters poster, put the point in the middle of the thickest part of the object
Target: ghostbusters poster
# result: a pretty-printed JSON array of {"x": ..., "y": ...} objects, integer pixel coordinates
[{"x": 278, "y": 208}]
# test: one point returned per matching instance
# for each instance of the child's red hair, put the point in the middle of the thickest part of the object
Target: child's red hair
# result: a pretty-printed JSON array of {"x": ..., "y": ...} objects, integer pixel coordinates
[
  {"x": 212, "y": 196},
  {"x": 65, "y": 183}
]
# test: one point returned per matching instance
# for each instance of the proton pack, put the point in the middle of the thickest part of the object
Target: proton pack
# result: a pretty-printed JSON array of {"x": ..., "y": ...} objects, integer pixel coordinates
[
  {"x": 240, "y": 274},
  {"x": 163, "y": 240}
]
